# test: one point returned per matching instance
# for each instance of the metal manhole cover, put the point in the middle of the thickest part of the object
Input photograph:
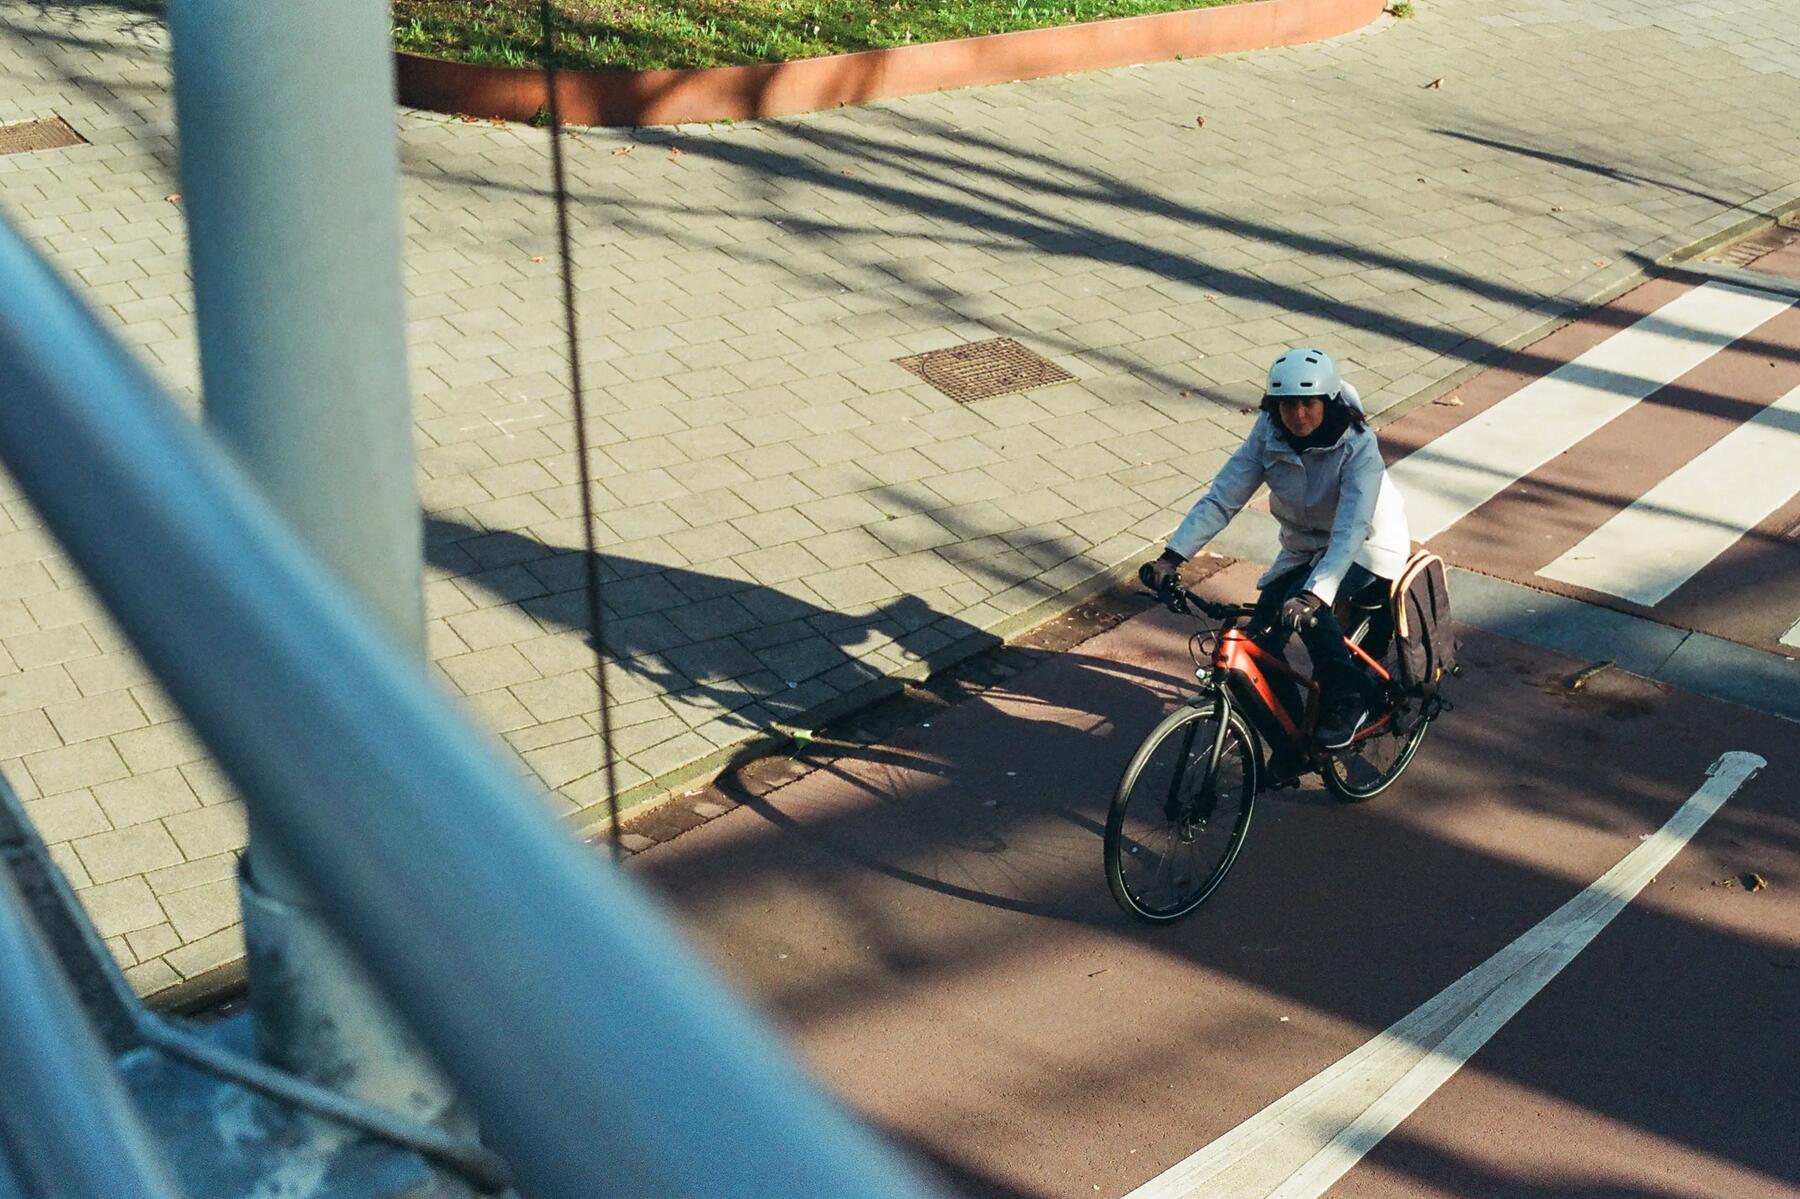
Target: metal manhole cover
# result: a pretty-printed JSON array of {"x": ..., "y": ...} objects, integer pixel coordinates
[
  {"x": 51, "y": 133},
  {"x": 982, "y": 369}
]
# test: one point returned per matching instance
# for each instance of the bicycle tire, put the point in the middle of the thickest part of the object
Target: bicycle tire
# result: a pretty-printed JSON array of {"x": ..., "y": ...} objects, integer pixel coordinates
[
  {"x": 1145, "y": 835},
  {"x": 1352, "y": 774}
]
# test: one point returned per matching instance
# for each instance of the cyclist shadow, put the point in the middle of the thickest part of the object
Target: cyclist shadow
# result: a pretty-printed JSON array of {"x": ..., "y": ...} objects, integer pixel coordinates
[
  {"x": 965, "y": 816},
  {"x": 997, "y": 802}
]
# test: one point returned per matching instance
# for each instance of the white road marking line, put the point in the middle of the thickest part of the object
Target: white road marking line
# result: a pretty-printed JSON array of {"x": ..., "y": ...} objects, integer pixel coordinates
[
  {"x": 1300, "y": 1145},
  {"x": 1672, "y": 531},
  {"x": 1472, "y": 463}
]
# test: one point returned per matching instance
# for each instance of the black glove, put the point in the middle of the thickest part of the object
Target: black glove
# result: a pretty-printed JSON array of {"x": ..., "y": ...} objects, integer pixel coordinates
[
  {"x": 1159, "y": 573},
  {"x": 1298, "y": 612}
]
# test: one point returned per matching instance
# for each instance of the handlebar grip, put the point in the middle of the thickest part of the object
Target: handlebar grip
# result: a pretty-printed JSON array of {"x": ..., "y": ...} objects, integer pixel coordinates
[{"x": 1216, "y": 611}]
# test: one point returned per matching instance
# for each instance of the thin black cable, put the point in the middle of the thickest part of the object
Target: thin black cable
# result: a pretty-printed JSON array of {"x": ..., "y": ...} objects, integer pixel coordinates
[{"x": 596, "y": 617}]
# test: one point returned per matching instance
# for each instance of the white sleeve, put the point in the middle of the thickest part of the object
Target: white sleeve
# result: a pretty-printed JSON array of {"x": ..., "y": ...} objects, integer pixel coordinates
[{"x": 1358, "y": 488}]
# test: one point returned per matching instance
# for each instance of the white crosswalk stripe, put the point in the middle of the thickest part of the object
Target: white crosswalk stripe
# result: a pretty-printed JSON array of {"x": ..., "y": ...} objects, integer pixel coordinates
[
  {"x": 1472, "y": 463},
  {"x": 1673, "y": 530},
  {"x": 1665, "y": 509}
]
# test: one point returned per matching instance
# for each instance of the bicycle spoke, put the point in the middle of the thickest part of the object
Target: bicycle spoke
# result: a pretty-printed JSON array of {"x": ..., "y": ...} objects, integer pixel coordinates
[{"x": 1168, "y": 846}]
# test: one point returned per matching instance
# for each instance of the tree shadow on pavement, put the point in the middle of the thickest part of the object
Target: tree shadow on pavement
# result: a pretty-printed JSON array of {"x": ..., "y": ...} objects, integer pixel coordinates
[
  {"x": 994, "y": 204},
  {"x": 1584, "y": 165},
  {"x": 1349, "y": 917},
  {"x": 966, "y": 1181},
  {"x": 1443, "y": 1171}
]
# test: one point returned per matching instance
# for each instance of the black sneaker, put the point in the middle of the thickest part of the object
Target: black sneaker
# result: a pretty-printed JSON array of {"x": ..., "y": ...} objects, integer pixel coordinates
[
  {"x": 1342, "y": 716},
  {"x": 1284, "y": 771}
]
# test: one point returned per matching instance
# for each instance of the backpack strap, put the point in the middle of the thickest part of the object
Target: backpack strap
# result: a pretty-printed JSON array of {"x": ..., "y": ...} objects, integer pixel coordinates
[{"x": 1421, "y": 560}]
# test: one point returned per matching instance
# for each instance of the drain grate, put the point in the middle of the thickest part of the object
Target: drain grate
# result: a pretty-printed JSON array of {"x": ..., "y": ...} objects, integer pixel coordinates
[
  {"x": 50, "y": 133},
  {"x": 1757, "y": 245},
  {"x": 982, "y": 369}
]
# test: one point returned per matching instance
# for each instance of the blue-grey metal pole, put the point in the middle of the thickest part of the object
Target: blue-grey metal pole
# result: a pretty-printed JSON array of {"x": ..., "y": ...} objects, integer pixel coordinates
[
  {"x": 601, "y": 1056},
  {"x": 290, "y": 179},
  {"x": 290, "y": 183},
  {"x": 67, "y": 1123}
]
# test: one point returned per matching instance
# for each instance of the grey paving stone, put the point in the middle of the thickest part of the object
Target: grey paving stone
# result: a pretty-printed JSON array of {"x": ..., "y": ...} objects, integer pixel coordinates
[{"x": 738, "y": 338}]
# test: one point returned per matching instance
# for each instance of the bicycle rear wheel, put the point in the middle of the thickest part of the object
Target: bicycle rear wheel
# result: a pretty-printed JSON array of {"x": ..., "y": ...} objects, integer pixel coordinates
[
  {"x": 1370, "y": 766},
  {"x": 1171, "y": 837}
]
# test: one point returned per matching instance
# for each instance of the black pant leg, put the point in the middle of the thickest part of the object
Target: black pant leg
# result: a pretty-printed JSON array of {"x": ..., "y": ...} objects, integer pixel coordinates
[
  {"x": 1324, "y": 641},
  {"x": 1332, "y": 661}
]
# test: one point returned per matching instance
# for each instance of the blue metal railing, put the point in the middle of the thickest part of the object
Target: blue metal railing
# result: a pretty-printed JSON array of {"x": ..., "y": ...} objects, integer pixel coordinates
[{"x": 599, "y": 1054}]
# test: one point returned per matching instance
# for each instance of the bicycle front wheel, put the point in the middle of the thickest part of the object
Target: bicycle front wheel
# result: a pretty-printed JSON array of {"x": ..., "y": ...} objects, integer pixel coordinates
[{"x": 1178, "y": 819}]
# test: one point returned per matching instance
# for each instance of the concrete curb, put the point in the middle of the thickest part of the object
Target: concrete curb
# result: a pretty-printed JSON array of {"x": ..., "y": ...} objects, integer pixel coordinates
[
  {"x": 594, "y": 820},
  {"x": 637, "y": 98}
]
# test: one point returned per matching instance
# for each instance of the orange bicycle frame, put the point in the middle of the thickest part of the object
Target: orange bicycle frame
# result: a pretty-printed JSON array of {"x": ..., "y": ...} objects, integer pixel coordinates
[{"x": 1236, "y": 654}]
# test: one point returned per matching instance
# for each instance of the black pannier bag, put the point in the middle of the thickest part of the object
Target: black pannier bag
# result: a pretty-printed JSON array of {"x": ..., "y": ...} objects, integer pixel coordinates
[{"x": 1425, "y": 642}]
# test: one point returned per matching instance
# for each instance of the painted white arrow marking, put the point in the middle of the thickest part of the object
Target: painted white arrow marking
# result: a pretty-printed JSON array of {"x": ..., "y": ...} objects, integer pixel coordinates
[{"x": 1301, "y": 1144}]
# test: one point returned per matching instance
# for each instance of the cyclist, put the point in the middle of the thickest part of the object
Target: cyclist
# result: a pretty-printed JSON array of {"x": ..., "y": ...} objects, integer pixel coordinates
[{"x": 1343, "y": 524}]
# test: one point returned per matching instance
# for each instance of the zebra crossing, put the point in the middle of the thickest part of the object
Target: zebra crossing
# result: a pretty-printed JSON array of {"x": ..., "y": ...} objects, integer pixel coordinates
[{"x": 1645, "y": 457}]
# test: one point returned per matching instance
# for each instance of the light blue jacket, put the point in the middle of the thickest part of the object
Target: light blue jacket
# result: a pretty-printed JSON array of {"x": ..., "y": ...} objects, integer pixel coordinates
[{"x": 1336, "y": 505}]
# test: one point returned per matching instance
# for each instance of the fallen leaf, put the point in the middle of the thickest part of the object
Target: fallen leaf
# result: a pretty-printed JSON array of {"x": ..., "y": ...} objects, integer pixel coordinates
[
  {"x": 676, "y": 151},
  {"x": 846, "y": 171},
  {"x": 1753, "y": 881},
  {"x": 1581, "y": 678},
  {"x": 537, "y": 258},
  {"x": 1245, "y": 411},
  {"x": 1448, "y": 401},
  {"x": 1556, "y": 208},
  {"x": 466, "y": 119},
  {"x": 173, "y": 197},
  {"x": 1200, "y": 122},
  {"x": 1435, "y": 85},
  {"x": 624, "y": 150},
  {"x": 1599, "y": 262},
  {"x": 498, "y": 122},
  {"x": 1186, "y": 394}
]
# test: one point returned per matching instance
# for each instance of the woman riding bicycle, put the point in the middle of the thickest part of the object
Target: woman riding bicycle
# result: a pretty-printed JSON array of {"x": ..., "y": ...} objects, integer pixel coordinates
[{"x": 1343, "y": 524}]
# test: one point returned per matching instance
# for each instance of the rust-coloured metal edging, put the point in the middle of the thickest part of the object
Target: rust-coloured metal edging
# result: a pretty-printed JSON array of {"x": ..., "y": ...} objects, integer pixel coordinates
[{"x": 775, "y": 89}]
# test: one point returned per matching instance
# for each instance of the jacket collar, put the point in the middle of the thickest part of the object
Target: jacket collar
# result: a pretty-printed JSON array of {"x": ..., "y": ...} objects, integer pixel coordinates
[{"x": 1278, "y": 445}]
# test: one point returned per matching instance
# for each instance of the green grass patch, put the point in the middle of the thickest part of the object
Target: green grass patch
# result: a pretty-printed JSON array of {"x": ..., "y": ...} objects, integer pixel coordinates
[{"x": 602, "y": 34}]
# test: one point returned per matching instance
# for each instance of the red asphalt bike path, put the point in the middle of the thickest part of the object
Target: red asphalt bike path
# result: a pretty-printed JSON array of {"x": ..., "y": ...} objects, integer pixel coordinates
[{"x": 928, "y": 921}]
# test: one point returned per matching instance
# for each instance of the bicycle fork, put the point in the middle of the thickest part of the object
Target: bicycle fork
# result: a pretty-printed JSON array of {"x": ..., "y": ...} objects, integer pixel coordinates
[{"x": 1206, "y": 794}]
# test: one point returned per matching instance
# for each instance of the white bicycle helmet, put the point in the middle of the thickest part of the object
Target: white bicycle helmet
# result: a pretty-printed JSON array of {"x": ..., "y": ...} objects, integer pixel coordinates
[{"x": 1304, "y": 372}]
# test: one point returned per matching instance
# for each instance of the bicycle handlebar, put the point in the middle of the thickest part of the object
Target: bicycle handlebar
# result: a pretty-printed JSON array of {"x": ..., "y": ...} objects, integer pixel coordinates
[{"x": 1179, "y": 599}]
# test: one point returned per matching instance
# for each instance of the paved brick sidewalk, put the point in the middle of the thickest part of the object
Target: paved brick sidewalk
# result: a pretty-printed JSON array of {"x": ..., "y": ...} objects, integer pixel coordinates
[{"x": 786, "y": 514}]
